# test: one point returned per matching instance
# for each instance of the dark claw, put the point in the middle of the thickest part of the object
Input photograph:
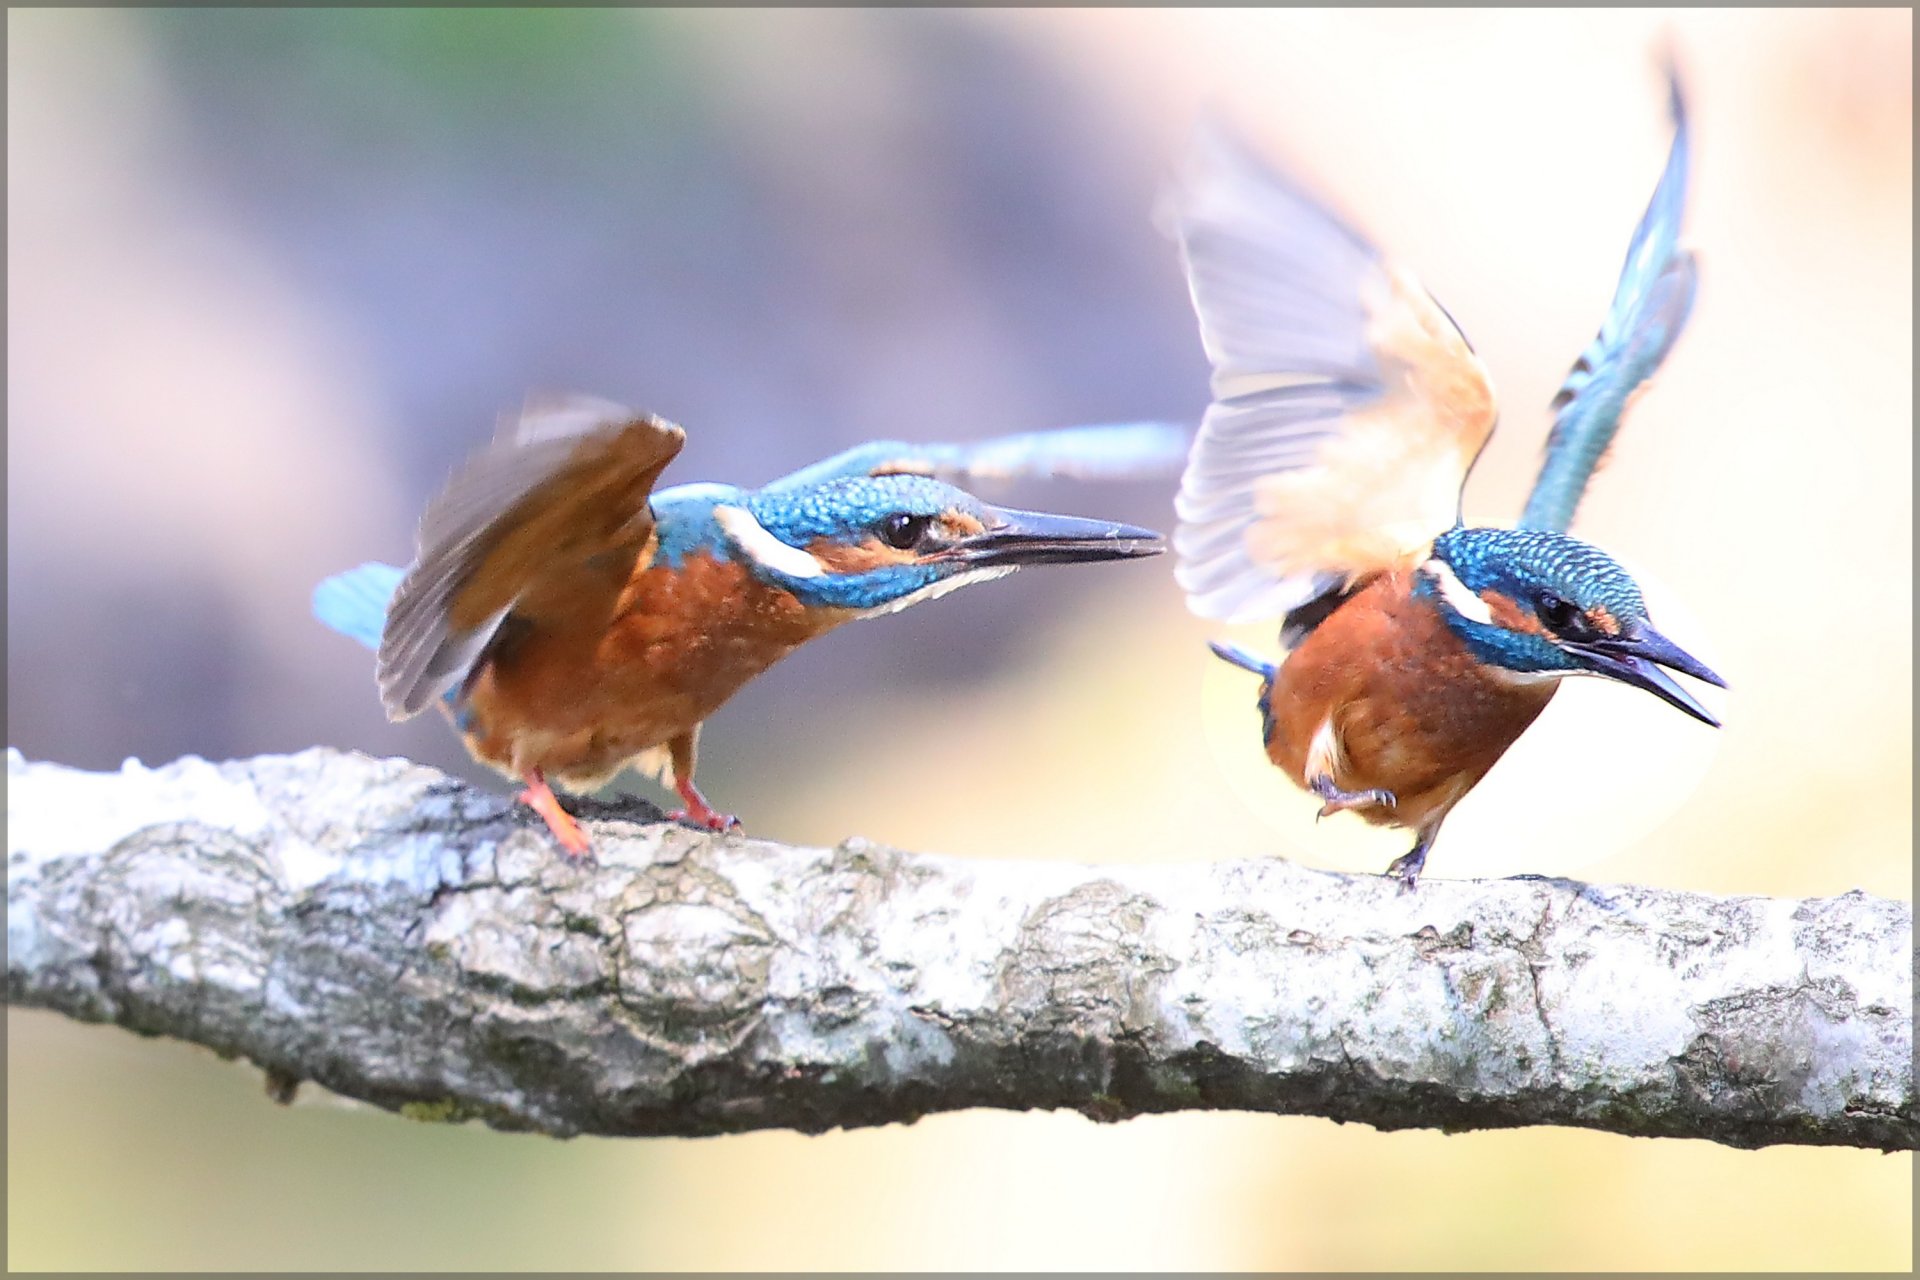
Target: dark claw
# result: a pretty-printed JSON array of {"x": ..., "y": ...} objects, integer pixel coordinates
[
  {"x": 1336, "y": 799},
  {"x": 1406, "y": 867}
]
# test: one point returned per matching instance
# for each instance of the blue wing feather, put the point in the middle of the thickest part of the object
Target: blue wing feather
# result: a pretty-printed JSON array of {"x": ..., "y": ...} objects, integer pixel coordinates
[
  {"x": 1650, "y": 308},
  {"x": 1114, "y": 451}
]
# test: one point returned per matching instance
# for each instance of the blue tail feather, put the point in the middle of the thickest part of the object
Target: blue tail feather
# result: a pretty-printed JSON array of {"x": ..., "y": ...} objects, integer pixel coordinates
[
  {"x": 1241, "y": 658},
  {"x": 354, "y": 603}
]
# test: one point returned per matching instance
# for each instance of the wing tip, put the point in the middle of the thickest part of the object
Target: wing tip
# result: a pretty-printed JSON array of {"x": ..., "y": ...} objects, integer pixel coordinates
[
  {"x": 1668, "y": 58},
  {"x": 552, "y": 414},
  {"x": 1222, "y": 164},
  {"x": 1234, "y": 654},
  {"x": 1113, "y": 451},
  {"x": 398, "y": 682}
]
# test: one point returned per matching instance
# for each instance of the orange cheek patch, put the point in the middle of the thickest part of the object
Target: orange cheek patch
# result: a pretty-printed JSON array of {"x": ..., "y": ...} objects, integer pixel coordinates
[
  {"x": 956, "y": 525},
  {"x": 1509, "y": 615},
  {"x": 1600, "y": 620},
  {"x": 859, "y": 557}
]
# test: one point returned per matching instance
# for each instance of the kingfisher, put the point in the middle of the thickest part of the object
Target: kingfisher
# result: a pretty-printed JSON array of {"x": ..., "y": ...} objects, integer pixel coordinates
[
  {"x": 571, "y": 621},
  {"x": 1324, "y": 489}
]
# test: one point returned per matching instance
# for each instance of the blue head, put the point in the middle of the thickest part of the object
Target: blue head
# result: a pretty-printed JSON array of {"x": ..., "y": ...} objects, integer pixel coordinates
[
  {"x": 1536, "y": 601},
  {"x": 884, "y": 542}
]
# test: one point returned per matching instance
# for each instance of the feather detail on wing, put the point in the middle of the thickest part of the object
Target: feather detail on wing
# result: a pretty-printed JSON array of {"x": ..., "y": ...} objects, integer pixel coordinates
[
  {"x": 1113, "y": 451},
  {"x": 1650, "y": 308},
  {"x": 1347, "y": 406},
  {"x": 565, "y": 483}
]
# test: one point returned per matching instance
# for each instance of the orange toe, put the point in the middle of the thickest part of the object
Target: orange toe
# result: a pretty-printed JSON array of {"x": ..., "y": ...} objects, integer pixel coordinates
[{"x": 539, "y": 797}]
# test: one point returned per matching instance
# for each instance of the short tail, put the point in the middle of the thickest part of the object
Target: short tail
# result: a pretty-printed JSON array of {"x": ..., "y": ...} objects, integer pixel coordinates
[
  {"x": 1241, "y": 658},
  {"x": 354, "y": 603}
]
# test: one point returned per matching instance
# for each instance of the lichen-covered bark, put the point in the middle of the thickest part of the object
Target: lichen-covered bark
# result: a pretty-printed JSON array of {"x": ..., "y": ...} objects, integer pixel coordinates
[{"x": 401, "y": 938}]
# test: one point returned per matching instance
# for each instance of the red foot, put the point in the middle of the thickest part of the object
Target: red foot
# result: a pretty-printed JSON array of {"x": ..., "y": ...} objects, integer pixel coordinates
[
  {"x": 539, "y": 797},
  {"x": 710, "y": 820},
  {"x": 698, "y": 811}
]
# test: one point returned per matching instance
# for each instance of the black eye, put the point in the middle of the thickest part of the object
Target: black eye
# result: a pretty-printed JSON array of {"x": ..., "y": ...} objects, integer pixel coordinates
[
  {"x": 1556, "y": 613},
  {"x": 903, "y": 531}
]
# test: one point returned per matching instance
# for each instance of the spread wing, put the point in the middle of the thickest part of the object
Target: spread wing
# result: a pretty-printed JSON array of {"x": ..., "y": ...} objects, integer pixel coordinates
[
  {"x": 560, "y": 492},
  {"x": 1650, "y": 308},
  {"x": 1116, "y": 451},
  {"x": 1347, "y": 407}
]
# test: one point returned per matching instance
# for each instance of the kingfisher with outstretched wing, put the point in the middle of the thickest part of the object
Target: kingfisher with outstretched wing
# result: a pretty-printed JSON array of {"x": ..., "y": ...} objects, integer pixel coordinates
[
  {"x": 1324, "y": 490},
  {"x": 571, "y": 621}
]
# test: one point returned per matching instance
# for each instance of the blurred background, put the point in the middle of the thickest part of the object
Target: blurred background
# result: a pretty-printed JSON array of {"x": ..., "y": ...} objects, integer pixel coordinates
[{"x": 272, "y": 275}]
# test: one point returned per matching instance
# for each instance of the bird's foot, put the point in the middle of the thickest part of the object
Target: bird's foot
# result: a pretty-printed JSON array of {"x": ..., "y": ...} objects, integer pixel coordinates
[
  {"x": 707, "y": 818},
  {"x": 699, "y": 813},
  {"x": 1336, "y": 799},
  {"x": 539, "y": 797},
  {"x": 1406, "y": 867}
]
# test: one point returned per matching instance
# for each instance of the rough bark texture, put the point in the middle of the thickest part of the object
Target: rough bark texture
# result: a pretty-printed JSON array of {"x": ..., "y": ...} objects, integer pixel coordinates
[{"x": 402, "y": 938}]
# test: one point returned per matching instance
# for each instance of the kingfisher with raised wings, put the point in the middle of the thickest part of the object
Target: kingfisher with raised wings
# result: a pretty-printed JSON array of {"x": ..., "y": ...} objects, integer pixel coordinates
[
  {"x": 1324, "y": 489},
  {"x": 571, "y": 621}
]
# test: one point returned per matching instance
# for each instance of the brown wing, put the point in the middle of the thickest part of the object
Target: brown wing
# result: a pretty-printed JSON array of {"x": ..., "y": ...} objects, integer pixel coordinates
[
  {"x": 565, "y": 483},
  {"x": 1347, "y": 407}
]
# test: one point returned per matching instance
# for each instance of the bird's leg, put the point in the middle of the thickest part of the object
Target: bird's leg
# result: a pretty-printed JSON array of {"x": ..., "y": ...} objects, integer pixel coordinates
[
  {"x": 698, "y": 811},
  {"x": 539, "y": 797},
  {"x": 1407, "y": 865},
  {"x": 1322, "y": 785}
]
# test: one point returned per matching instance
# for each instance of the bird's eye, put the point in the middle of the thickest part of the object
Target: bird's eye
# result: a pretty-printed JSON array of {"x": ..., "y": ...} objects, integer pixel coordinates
[
  {"x": 902, "y": 531},
  {"x": 1556, "y": 613}
]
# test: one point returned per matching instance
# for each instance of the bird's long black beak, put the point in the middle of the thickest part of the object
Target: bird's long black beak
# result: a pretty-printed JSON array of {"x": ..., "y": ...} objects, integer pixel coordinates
[
  {"x": 1034, "y": 537},
  {"x": 1632, "y": 659}
]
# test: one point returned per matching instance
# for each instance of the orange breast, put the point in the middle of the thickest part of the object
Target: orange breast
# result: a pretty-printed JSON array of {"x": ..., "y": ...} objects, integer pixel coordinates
[
  {"x": 578, "y": 687},
  {"x": 1383, "y": 694}
]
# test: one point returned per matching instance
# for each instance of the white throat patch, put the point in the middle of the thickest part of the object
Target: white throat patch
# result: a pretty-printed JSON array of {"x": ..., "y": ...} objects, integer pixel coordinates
[
  {"x": 1465, "y": 603},
  {"x": 934, "y": 590},
  {"x": 767, "y": 551}
]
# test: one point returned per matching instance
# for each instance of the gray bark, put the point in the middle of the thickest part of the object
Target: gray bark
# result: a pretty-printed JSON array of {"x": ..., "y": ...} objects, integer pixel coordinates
[{"x": 402, "y": 938}]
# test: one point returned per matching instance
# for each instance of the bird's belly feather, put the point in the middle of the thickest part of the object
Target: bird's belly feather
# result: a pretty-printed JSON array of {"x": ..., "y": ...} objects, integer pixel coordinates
[
  {"x": 579, "y": 692},
  {"x": 1399, "y": 703}
]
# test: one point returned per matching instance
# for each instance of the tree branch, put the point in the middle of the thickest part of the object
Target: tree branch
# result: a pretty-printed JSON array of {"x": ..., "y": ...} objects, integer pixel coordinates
[{"x": 402, "y": 938}]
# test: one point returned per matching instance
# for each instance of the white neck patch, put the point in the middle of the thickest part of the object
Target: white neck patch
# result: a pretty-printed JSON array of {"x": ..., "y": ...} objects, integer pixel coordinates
[
  {"x": 934, "y": 590},
  {"x": 765, "y": 550},
  {"x": 1465, "y": 603}
]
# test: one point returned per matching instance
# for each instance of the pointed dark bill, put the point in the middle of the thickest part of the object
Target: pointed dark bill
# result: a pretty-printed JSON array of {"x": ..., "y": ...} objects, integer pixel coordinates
[
  {"x": 1632, "y": 660},
  {"x": 1034, "y": 537}
]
